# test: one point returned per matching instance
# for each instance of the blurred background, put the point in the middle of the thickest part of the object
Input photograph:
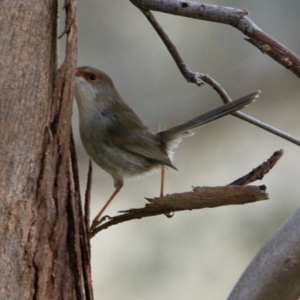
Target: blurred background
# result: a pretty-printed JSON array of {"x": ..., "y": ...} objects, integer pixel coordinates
[{"x": 196, "y": 254}]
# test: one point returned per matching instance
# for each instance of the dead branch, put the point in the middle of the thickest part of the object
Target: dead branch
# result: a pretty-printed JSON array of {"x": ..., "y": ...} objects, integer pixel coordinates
[
  {"x": 200, "y": 197},
  {"x": 199, "y": 78},
  {"x": 240, "y": 19},
  {"x": 259, "y": 172}
]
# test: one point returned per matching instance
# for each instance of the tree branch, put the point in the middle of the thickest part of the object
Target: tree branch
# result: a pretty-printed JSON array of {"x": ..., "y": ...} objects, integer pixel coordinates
[
  {"x": 240, "y": 19},
  {"x": 200, "y": 78},
  {"x": 259, "y": 172},
  {"x": 200, "y": 197}
]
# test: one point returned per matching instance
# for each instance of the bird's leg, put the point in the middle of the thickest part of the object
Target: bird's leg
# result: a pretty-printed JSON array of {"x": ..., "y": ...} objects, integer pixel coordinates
[
  {"x": 162, "y": 185},
  {"x": 97, "y": 220},
  {"x": 162, "y": 181},
  {"x": 118, "y": 184}
]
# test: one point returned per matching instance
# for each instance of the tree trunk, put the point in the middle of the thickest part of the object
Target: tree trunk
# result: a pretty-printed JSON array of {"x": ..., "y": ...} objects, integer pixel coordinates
[{"x": 41, "y": 253}]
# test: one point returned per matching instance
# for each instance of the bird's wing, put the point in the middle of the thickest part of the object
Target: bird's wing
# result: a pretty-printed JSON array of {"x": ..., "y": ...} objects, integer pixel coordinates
[{"x": 143, "y": 143}]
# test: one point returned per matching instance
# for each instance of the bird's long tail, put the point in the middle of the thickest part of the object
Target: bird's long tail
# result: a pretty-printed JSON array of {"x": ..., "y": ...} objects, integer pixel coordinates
[{"x": 223, "y": 110}]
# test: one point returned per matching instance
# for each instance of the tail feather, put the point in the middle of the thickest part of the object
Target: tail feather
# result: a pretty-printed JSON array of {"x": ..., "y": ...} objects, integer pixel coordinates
[{"x": 221, "y": 111}]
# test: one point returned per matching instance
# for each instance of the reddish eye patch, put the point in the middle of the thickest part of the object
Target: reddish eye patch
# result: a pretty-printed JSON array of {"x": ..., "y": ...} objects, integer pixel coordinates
[
  {"x": 90, "y": 76},
  {"x": 78, "y": 73}
]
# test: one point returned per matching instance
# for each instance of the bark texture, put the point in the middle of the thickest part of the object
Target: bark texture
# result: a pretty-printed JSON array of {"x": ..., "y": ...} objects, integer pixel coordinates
[{"x": 40, "y": 213}]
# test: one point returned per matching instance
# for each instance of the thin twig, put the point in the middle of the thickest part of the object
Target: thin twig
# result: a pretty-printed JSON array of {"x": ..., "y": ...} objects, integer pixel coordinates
[
  {"x": 70, "y": 20},
  {"x": 87, "y": 201},
  {"x": 259, "y": 172},
  {"x": 267, "y": 127},
  {"x": 87, "y": 241},
  {"x": 184, "y": 69},
  {"x": 200, "y": 78}
]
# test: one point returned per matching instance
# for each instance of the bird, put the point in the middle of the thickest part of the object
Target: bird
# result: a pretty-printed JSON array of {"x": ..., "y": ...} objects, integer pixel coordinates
[{"x": 117, "y": 140}]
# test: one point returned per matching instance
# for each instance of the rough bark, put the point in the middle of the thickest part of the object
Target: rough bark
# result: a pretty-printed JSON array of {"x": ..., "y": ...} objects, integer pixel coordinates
[{"x": 40, "y": 213}]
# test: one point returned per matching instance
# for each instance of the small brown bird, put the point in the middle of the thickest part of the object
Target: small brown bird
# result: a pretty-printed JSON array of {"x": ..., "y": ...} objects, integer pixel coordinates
[{"x": 116, "y": 139}]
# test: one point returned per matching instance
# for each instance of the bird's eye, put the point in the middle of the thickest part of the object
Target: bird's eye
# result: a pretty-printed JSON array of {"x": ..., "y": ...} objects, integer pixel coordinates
[{"x": 92, "y": 77}]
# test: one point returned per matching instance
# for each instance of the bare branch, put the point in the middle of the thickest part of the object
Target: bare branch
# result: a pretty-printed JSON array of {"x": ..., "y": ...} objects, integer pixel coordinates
[
  {"x": 71, "y": 18},
  {"x": 225, "y": 97},
  {"x": 87, "y": 200},
  {"x": 86, "y": 242},
  {"x": 189, "y": 75},
  {"x": 259, "y": 172},
  {"x": 200, "y": 78},
  {"x": 200, "y": 197},
  {"x": 240, "y": 19},
  {"x": 267, "y": 127}
]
